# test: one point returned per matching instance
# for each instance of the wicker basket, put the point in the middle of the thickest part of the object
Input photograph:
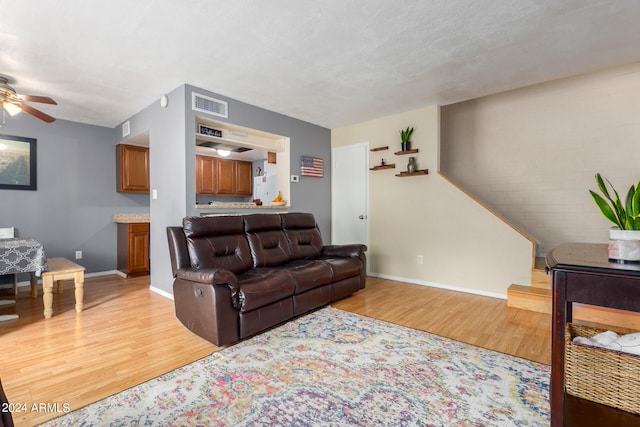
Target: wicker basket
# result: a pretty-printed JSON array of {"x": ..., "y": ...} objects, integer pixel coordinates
[{"x": 601, "y": 375}]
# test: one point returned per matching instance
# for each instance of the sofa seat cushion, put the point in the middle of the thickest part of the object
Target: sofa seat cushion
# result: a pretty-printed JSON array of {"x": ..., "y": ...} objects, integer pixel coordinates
[
  {"x": 343, "y": 268},
  {"x": 262, "y": 286},
  {"x": 308, "y": 274}
]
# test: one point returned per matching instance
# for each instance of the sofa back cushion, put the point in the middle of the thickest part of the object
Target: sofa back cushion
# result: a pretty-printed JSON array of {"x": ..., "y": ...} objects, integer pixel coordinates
[
  {"x": 303, "y": 235},
  {"x": 269, "y": 246},
  {"x": 217, "y": 242}
]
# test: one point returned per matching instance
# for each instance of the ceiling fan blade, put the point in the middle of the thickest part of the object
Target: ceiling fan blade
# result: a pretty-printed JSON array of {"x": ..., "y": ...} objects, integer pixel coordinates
[
  {"x": 36, "y": 113},
  {"x": 35, "y": 98}
]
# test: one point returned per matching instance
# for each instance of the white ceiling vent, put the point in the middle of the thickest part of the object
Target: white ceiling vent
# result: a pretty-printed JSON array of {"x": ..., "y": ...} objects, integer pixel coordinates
[{"x": 206, "y": 104}]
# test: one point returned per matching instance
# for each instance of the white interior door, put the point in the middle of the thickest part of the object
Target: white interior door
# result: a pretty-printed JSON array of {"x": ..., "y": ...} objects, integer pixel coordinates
[{"x": 349, "y": 189}]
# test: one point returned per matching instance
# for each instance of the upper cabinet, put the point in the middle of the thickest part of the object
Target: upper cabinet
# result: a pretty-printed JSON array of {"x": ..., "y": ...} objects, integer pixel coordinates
[
  {"x": 132, "y": 168},
  {"x": 226, "y": 178},
  {"x": 223, "y": 177},
  {"x": 244, "y": 178},
  {"x": 206, "y": 169}
]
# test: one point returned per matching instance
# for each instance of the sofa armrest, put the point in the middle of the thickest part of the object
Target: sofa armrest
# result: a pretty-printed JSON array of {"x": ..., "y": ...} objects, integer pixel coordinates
[
  {"x": 354, "y": 250},
  {"x": 210, "y": 276}
]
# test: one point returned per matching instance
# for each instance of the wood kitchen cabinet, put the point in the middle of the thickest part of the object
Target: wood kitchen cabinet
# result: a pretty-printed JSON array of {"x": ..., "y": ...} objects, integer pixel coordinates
[
  {"x": 226, "y": 178},
  {"x": 205, "y": 174},
  {"x": 133, "y": 248},
  {"x": 244, "y": 178},
  {"x": 223, "y": 177},
  {"x": 132, "y": 168}
]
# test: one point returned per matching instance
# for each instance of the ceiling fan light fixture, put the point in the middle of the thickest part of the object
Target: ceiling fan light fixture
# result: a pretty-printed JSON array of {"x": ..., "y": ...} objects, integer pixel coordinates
[
  {"x": 12, "y": 103},
  {"x": 11, "y": 108}
]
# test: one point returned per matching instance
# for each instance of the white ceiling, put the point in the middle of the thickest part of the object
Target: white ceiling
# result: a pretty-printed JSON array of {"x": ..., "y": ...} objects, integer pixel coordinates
[{"x": 329, "y": 62}]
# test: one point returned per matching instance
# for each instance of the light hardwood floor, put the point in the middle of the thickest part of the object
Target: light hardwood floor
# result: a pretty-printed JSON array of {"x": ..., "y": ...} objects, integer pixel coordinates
[{"x": 128, "y": 334}]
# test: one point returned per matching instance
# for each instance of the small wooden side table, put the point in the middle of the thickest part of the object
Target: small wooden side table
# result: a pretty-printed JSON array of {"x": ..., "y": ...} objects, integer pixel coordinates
[{"x": 59, "y": 269}]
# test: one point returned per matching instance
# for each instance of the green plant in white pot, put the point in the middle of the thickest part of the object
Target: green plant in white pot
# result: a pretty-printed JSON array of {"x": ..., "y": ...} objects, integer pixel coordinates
[{"x": 624, "y": 238}]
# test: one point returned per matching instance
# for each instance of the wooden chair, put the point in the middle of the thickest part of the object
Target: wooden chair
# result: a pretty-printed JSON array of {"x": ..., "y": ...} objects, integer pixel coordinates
[{"x": 9, "y": 233}]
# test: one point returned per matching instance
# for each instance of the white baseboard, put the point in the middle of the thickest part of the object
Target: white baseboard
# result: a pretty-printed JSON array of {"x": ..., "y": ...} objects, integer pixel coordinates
[
  {"x": 441, "y": 286},
  {"x": 161, "y": 292},
  {"x": 107, "y": 273},
  {"x": 381, "y": 276}
]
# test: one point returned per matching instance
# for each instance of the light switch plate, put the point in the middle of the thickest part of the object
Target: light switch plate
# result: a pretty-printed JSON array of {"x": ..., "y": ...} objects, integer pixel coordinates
[{"x": 295, "y": 178}]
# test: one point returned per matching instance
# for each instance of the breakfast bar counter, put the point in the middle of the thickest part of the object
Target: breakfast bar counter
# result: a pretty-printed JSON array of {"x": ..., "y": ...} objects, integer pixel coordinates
[{"x": 130, "y": 218}]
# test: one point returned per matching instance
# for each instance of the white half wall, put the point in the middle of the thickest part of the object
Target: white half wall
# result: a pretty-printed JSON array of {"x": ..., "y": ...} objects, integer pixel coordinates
[{"x": 463, "y": 245}]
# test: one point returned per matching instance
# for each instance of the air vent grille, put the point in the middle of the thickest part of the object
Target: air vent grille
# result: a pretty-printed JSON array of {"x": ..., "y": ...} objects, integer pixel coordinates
[
  {"x": 206, "y": 104},
  {"x": 126, "y": 129}
]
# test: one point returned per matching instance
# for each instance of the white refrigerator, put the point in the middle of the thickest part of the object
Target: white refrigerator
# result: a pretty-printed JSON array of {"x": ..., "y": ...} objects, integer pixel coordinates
[{"x": 264, "y": 188}]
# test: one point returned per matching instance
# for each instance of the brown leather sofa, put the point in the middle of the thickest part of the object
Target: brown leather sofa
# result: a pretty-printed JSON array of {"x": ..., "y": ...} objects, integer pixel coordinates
[{"x": 236, "y": 276}]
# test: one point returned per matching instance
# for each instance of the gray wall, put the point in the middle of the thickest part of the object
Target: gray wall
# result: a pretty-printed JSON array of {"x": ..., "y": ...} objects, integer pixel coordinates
[
  {"x": 308, "y": 195},
  {"x": 76, "y": 196},
  {"x": 172, "y": 166}
]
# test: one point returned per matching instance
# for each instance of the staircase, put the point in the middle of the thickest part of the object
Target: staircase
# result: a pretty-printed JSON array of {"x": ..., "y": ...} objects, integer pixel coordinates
[{"x": 537, "y": 297}]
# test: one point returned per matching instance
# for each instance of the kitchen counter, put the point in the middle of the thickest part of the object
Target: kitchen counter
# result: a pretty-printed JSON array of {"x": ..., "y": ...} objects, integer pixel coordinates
[{"x": 130, "y": 218}]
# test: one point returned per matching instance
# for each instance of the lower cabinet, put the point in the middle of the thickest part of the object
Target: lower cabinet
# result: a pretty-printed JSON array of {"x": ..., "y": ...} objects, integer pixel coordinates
[{"x": 133, "y": 248}]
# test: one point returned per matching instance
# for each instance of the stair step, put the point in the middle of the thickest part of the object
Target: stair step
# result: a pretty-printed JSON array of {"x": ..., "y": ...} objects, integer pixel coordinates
[
  {"x": 539, "y": 276},
  {"x": 539, "y": 300},
  {"x": 529, "y": 298}
]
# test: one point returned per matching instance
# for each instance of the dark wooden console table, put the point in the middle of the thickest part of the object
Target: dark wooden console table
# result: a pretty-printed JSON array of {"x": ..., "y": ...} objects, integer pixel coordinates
[{"x": 582, "y": 273}]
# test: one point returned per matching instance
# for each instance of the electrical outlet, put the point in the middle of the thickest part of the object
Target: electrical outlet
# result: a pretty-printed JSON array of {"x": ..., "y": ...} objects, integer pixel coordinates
[
  {"x": 78, "y": 254},
  {"x": 419, "y": 259}
]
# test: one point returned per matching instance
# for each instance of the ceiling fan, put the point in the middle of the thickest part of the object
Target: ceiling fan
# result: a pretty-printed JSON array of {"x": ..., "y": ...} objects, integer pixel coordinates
[{"x": 13, "y": 103}]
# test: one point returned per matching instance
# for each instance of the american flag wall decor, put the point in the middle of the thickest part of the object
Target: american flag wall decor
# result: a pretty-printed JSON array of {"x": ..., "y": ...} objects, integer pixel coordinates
[{"x": 311, "y": 166}]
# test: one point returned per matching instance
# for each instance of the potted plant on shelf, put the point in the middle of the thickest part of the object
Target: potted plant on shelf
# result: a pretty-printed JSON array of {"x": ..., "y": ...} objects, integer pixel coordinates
[
  {"x": 624, "y": 237},
  {"x": 405, "y": 135}
]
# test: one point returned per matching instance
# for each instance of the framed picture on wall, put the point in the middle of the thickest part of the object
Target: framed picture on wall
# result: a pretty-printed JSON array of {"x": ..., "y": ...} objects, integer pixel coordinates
[{"x": 17, "y": 163}]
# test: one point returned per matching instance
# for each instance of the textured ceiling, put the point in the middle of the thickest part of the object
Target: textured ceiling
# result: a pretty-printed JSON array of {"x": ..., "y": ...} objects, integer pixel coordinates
[{"x": 329, "y": 62}]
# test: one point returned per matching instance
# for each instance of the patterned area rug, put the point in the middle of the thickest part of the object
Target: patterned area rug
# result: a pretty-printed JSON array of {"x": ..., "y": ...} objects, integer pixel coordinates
[{"x": 335, "y": 368}]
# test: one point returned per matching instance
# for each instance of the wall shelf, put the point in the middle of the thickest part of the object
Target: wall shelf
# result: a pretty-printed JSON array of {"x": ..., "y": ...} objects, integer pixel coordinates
[
  {"x": 418, "y": 172},
  {"x": 380, "y": 148},
  {"x": 400, "y": 153},
  {"x": 380, "y": 167}
]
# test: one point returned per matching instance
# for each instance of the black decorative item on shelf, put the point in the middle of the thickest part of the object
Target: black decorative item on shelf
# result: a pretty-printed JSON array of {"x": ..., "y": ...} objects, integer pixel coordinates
[{"x": 206, "y": 130}]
